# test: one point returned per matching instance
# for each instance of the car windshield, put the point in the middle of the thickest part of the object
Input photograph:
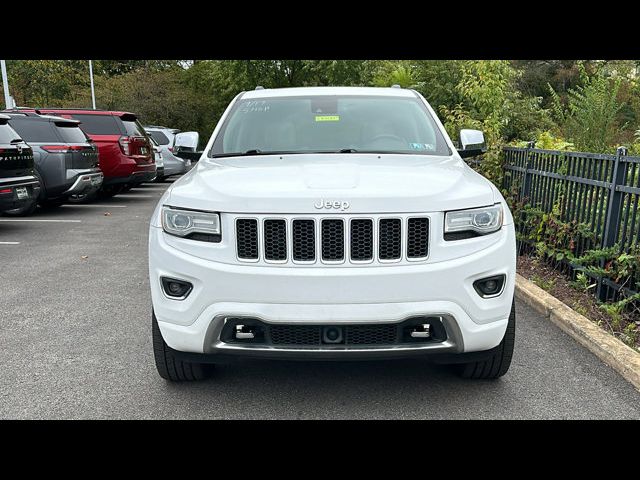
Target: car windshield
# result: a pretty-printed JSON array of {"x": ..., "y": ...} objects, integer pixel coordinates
[{"x": 329, "y": 123}]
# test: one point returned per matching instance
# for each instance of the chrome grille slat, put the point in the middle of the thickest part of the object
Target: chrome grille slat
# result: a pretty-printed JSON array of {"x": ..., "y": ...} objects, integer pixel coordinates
[{"x": 332, "y": 240}]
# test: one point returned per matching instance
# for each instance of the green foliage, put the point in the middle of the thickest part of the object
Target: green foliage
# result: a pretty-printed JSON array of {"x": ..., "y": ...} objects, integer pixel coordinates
[
  {"x": 394, "y": 73},
  {"x": 546, "y": 140},
  {"x": 545, "y": 284},
  {"x": 583, "y": 282},
  {"x": 590, "y": 116}
]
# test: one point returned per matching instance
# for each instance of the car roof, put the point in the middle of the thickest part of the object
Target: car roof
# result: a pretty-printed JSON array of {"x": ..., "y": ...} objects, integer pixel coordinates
[
  {"x": 46, "y": 118},
  {"x": 340, "y": 91},
  {"x": 156, "y": 127},
  {"x": 83, "y": 111}
]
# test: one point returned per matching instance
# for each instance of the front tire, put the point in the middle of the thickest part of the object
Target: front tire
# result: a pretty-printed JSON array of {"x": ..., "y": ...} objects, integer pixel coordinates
[
  {"x": 497, "y": 364},
  {"x": 169, "y": 366}
]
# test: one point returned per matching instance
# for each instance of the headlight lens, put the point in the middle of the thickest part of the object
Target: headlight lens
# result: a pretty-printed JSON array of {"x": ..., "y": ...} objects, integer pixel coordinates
[
  {"x": 480, "y": 220},
  {"x": 190, "y": 223}
]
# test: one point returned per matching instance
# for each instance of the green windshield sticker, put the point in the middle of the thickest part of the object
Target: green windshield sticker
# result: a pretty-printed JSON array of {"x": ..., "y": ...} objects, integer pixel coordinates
[{"x": 327, "y": 118}]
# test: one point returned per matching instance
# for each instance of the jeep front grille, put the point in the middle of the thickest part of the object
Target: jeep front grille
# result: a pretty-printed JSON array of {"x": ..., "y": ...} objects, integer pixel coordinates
[
  {"x": 389, "y": 239},
  {"x": 304, "y": 241},
  {"x": 247, "y": 238},
  {"x": 361, "y": 243},
  {"x": 275, "y": 240},
  {"x": 336, "y": 240},
  {"x": 333, "y": 240}
]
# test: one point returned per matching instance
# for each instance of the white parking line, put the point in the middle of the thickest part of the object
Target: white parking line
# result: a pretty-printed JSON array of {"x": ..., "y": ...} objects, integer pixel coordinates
[
  {"x": 94, "y": 205},
  {"x": 38, "y": 220},
  {"x": 137, "y": 196},
  {"x": 9, "y": 243}
]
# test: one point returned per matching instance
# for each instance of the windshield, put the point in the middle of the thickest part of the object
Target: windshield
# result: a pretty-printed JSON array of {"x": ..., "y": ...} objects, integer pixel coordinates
[{"x": 329, "y": 123}]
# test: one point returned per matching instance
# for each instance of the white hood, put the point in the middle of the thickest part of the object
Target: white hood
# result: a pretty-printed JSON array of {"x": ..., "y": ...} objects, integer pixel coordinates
[{"x": 370, "y": 183}]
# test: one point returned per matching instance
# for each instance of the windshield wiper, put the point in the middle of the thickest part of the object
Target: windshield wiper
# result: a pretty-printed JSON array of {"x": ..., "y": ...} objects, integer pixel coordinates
[
  {"x": 15, "y": 140},
  {"x": 348, "y": 150},
  {"x": 253, "y": 151}
]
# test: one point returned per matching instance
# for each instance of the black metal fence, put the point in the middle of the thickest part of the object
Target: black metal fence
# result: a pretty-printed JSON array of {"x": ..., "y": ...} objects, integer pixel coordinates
[{"x": 596, "y": 190}]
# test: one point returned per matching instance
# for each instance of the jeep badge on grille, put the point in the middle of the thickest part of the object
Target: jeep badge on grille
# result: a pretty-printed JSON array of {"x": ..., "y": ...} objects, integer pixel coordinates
[{"x": 332, "y": 205}]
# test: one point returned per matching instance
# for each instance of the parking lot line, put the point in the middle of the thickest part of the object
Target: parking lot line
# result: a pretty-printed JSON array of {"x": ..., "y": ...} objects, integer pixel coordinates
[
  {"x": 38, "y": 220},
  {"x": 138, "y": 196},
  {"x": 94, "y": 205},
  {"x": 9, "y": 243}
]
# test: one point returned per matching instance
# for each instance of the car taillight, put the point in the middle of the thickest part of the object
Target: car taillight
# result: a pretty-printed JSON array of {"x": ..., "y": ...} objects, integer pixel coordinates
[
  {"x": 170, "y": 149},
  {"x": 6, "y": 190},
  {"x": 124, "y": 145},
  {"x": 62, "y": 148}
]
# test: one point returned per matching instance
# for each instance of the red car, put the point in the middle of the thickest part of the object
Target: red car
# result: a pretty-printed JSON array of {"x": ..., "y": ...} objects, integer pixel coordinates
[{"x": 125, "y": 151}]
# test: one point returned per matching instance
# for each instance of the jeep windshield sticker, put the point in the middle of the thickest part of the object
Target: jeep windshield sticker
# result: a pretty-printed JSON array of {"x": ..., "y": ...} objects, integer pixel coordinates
[
  {"x": 422, "y": 146},
  {"x": 327, "y": 118}
]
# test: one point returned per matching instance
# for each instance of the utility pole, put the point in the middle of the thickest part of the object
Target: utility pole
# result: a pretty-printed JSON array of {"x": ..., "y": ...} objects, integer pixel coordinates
[
  {"x": 93, "y": 92},
  {"x": 8, "y": 101}
]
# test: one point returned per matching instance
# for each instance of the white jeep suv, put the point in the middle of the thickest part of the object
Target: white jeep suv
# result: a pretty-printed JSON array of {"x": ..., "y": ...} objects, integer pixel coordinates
[{"x": 332, "y": 223}]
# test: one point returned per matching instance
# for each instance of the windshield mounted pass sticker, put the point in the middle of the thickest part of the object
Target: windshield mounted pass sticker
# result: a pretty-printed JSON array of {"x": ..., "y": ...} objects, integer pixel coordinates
[
  {"x": 327, "y": 118},
  {"x": 422, "y": 146}
]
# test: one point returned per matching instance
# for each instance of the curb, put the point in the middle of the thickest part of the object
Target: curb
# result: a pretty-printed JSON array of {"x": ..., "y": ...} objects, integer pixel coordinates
[{"x": 622, "y": 358}]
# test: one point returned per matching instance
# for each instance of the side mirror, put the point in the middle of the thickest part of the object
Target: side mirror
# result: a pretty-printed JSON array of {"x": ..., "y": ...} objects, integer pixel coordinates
[
  {"x": 471, "y": 143},
  {"x": 186, "y": 141}
]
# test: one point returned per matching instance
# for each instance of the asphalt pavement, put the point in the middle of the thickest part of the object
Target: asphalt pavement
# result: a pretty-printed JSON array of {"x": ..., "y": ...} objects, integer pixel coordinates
[{"x": 75, "y": 342}]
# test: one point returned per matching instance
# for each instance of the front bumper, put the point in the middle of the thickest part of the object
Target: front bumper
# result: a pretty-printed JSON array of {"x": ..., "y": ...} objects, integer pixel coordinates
[{"x": 338, "y": 296}]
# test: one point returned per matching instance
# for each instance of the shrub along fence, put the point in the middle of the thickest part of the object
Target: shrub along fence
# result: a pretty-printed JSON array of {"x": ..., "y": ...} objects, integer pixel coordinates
[{"x": 581, "y": 211}]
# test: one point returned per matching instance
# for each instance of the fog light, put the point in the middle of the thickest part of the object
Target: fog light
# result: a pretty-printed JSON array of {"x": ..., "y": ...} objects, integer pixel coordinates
[
  {"x": 490, "y": 286},
  {"x": 178, "y": 289}
]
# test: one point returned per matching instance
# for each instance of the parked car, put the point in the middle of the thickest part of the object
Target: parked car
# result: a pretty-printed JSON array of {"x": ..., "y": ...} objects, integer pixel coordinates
[
  {"x": 126, "y": 157},
  {"x": 19, "y": 186},
  {"x": 157, "y": 154},
  {"x": 333, "y": 223},
  {"x": 165, "y": 138},
  {"x": 66, "y": 160}
]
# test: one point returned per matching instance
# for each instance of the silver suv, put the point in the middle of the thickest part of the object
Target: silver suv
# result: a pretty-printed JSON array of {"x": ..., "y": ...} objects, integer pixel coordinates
[{"x": 165, "y": 137}]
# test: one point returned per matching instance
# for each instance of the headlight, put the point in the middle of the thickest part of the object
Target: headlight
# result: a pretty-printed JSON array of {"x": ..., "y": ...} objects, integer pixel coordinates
[
  {"x": 192, "y": 224},
  {"x": 479, "y": 220}
]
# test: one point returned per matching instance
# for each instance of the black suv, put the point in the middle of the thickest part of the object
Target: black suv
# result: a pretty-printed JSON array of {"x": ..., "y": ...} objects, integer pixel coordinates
[
  {"x": 19, "y": 186},
  {"x": 66, "y": 160}
]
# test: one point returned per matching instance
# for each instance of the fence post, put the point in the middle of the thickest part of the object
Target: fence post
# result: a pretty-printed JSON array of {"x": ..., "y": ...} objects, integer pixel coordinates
[
  {"x": 614, "y": 206},
  {"x": 526, "y": 180}
]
